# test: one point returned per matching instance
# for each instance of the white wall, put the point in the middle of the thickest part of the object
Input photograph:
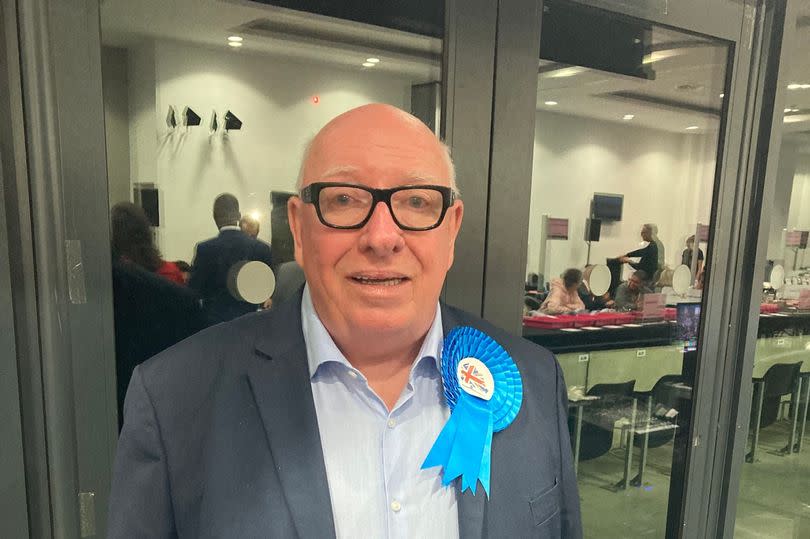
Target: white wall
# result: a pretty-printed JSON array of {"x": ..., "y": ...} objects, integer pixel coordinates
[
  {"x": 665, "y": 178},
  {"x": 143, "y": 124},
  {"x": 273, "y": 99},
  {"x": 781, "y": 205}
]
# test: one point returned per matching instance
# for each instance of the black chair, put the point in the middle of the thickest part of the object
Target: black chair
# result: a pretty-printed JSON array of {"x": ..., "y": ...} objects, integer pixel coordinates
[
  {"x": 663, "y": 395},
  {"x": 596, "y": 437},
  {"x": 779, "y": 380}
]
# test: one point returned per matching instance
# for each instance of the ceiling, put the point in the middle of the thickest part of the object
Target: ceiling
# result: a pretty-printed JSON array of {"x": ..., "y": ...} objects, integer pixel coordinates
[
  {"x": 271, "y": 30},
  {"x": 686, "y": 91}
]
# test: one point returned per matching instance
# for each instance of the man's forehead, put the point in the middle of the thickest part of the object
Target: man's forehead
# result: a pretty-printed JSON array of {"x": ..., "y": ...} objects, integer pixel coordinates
[{"x": 393, "y": 146}]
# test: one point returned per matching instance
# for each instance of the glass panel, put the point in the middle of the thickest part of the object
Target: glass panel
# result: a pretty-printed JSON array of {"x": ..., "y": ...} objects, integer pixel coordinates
[
  {"x": 774, "y": 500},
  {"x": 628, "y": 120},
  {"x": 208, "y": 97}
]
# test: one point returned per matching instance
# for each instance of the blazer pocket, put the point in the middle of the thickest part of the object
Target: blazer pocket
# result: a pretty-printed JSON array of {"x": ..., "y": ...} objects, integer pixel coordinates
[{"x": 546, "y": 504}]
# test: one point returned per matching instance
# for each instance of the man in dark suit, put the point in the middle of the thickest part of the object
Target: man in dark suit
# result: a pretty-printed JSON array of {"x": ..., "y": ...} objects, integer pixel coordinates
[
  {"x": 217, "y": 257},
  {"x": 313, "y": 419}
]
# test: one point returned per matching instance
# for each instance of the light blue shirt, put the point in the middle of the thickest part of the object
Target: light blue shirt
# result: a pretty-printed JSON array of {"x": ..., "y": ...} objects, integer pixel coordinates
[{"x": 373, "y": 457}]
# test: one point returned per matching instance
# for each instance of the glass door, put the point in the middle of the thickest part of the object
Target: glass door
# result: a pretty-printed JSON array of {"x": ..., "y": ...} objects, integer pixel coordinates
[{"x": 620, "y": 188}]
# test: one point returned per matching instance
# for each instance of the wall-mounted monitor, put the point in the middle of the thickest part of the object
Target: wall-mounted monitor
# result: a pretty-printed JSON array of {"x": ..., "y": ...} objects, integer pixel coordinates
[{"x": 607, "y": 206}]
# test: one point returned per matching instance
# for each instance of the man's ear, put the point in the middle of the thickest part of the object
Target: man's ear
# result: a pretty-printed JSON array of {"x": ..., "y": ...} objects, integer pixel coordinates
[
  {"x": 295, "y": 208},
  {"x": 454, "y": 215}
]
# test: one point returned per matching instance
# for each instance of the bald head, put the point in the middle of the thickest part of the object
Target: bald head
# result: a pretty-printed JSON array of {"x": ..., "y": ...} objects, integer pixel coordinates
[{"x": 375, "y": 127}]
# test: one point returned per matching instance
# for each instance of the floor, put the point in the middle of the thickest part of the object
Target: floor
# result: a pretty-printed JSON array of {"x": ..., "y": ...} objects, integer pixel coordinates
[{"x": 774, "y": 500}]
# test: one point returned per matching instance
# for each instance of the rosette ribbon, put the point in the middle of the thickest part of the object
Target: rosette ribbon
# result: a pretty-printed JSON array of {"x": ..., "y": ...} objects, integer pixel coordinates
[{"x": 464, "y": 446}]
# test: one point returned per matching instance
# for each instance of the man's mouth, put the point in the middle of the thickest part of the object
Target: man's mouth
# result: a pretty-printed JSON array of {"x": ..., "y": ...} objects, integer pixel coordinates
[{"x": 379, "y": 280}]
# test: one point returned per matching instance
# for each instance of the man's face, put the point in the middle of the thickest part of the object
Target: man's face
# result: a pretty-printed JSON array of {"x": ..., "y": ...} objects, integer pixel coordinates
[
  {"x": 646, "y": 234},
  {"x": 634, "y": 283},
  {"x": 379, "y": 279}
]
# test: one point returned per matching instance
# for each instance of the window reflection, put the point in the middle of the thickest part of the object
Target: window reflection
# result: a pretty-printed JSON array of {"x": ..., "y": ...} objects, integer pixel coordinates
[
  {"x": 205, "y": 99},
  {"x": 624, "y": 166}
]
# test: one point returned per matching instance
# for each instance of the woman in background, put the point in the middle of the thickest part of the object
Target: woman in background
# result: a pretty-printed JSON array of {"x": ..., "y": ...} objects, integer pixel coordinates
[
  {"x": 132, "y": 242},
  {"x": 564, "y": 295}
]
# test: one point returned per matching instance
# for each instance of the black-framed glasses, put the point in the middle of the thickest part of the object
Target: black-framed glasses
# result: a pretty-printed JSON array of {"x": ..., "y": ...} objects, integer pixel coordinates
[{"x": 347, "y": 206}]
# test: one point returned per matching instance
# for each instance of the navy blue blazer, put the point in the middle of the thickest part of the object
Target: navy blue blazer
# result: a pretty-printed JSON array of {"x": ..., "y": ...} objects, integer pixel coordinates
[
  {"x": 220, "y": 439},
  {"x": 213, "y": 259}
]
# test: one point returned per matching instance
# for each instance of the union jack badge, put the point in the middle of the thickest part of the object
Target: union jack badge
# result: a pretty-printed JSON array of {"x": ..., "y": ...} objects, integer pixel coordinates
[{"x": 475, "y": 379}]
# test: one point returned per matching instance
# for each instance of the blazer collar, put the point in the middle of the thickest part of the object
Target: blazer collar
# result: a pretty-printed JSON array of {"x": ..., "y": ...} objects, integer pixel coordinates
[{"x": 281, "y": 386}]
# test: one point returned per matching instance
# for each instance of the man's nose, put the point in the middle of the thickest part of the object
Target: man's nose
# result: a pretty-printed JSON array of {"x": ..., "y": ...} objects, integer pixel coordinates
[{"x": 381, "y": 234}]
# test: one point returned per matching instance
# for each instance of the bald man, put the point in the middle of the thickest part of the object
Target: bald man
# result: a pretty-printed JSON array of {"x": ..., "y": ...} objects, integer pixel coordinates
[{"x": 314, "y": 419}]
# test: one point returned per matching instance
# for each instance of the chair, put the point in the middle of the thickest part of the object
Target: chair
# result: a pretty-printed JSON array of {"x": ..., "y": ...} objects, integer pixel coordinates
[
  {"x": 779, "y": 380},
  {"x": 596, "y": 436},
  {"x": 662, "y": 394}
]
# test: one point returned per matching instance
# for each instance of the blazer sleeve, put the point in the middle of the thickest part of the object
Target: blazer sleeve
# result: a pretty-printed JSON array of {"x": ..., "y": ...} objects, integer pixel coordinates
[
  {"x": 200, "y": 269},
  {"x": 140, "y": 500},
  {"x": 644, "y": 251},
  {"x": 569, "y": 497}
]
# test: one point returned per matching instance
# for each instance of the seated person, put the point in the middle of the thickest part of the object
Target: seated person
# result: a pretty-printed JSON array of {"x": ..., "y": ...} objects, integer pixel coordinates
[
  {"x": 564, "y": 297},
  {"x": 630, "y": 294},
  {"x": 592, "y": 302},
  {"x": 647, "y": 255}
]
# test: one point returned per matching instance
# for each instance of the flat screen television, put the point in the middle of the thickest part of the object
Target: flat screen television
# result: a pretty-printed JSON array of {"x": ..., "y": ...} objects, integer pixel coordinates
[{"x": 607, "y": 206}]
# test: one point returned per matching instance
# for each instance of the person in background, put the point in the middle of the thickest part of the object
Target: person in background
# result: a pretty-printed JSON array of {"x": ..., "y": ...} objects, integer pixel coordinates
[
  {"x": 150, "y": 314},
  {"x": 630, "y": 294},
  {"x": 185, "y": 269},
  {"x": 686, "y": 256},
  {"x": 659, "y": 245},
  {"x": 648, "y": 254},
  {"x": 250, "y": 225},
  {"x": 591, "y": 301},
  {"x": 214, "y": 259},
  {"x": 564, "y": 297},
  {"x": 132, "y": 242}
]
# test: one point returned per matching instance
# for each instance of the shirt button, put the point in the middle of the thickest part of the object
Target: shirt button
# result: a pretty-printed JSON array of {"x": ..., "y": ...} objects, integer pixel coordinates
[
  {"x": 396, "y": 506},
  {"x": 392, "y": 423},
  {"x": 353, "y": 374}
]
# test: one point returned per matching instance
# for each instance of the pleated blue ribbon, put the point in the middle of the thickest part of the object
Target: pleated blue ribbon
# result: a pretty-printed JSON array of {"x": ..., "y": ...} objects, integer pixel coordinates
[{"x": 464, "y": 446}]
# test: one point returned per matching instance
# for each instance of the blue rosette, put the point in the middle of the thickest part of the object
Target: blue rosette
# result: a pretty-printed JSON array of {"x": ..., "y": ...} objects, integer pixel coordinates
[{"x": 484, "y": 391}]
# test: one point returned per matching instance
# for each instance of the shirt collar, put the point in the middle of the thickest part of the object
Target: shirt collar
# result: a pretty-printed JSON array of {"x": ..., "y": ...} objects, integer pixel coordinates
[
  {"x": 321, "y": 348},
  {"x": 229, "y": 227}
]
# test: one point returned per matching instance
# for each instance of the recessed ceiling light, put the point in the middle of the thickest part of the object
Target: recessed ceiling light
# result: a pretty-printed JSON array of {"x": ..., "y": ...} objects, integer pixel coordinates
[
  {"x": 235, "y": 43},
  {"x": 722, "y": 96},
  {"x": 234, "y": 38},
  {"x": 551, "y": 103},
  {"x": 628, "y": 116},
  {"x": 692, "y": 128},
  {"x": 373, "y": 60},
  {"x": 368, "y": 64}
]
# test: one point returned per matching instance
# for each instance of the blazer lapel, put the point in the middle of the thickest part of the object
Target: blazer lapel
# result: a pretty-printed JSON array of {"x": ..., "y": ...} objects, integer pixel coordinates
[
  {"x": 279, "y": 379},
  {"x": 470, "y": 508}
]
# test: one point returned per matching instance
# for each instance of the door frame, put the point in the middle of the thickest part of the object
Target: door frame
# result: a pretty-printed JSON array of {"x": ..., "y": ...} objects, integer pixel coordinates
[{"x": 742, "y": 25}]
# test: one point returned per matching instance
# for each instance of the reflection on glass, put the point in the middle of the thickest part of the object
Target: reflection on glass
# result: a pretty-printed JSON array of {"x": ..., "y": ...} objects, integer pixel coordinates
[
  {"x": 774, "y": 500},
  {"x": 205, "y": 98},
  {"x": 627, "y": 126}
]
